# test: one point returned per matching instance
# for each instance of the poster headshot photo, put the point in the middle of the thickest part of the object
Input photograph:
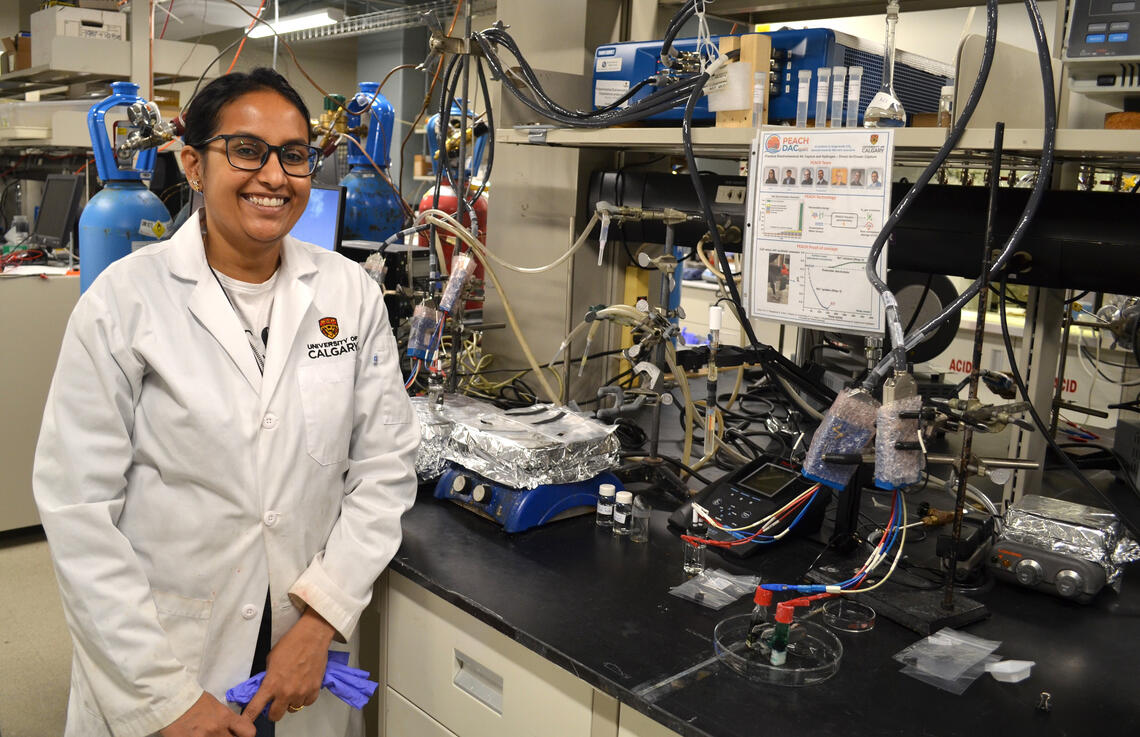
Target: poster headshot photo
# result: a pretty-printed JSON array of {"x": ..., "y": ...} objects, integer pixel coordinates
[
  {"x": 771, "y": 178},
  {"x": 838, "y": 176},
  {"x": 857, "y": 179},
  {"x": 789, "y": 176},
  {"x": 822, "y": 176},
  {"x": 874, "y": 178},
  {"x": 805, "y": 176}
]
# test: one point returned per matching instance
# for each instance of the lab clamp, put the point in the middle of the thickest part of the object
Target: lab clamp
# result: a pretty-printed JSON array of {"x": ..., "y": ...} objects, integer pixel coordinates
[{"x": 124, "y": 215}]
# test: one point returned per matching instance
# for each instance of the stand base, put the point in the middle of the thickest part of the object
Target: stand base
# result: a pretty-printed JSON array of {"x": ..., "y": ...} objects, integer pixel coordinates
[
  {"x": 920, "y": 611},
  {"x": 654, "y": 472}
]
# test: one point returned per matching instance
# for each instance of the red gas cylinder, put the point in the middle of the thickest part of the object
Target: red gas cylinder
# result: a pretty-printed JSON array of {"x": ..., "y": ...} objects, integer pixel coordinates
[{"x": 449, "y": 203}]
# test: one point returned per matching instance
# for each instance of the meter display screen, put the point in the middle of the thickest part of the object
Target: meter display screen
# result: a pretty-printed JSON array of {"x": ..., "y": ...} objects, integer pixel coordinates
[{"x": 767, "y": 481}]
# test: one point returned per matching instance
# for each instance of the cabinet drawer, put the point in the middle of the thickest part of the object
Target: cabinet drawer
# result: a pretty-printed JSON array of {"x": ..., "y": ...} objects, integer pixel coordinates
[
  {"x": 403, "y": 719},
  {"x": 472, "y": 679},
  {"x": 635, "y": 724}
]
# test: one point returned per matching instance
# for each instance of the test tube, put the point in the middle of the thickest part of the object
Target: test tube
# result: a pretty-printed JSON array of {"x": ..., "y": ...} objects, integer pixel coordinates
[
  {"x": 822, "y": 90},
  {"x": 802, "y": 98},
  {"x": 839, "y": 79},
  {"x": 854, "y": 89}
]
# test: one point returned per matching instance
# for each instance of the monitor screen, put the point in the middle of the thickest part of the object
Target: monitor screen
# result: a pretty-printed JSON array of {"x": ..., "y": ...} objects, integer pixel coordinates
[
  {"x": 320, "y": 224},
  {"x": 768, "y": 480},
  {"x": 56, "y": 215}
]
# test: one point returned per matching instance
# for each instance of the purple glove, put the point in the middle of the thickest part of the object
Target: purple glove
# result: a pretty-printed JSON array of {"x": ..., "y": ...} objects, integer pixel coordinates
[{"x": 350, "y": 685}]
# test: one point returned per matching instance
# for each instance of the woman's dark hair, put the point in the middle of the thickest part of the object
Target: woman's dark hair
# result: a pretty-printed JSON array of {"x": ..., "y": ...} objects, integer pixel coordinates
[{"x": 201, "y": 119}]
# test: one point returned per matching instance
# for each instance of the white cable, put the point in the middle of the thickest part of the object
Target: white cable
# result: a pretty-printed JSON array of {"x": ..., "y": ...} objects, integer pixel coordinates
[
  {"x": 894, "y": 563},
  {"x": 431, "y": 216},
  {"x": 448, "y": 223}
]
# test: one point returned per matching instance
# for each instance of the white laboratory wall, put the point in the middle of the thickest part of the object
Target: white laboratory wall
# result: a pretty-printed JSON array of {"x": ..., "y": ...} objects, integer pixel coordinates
[{"x": 937, "y": 33}]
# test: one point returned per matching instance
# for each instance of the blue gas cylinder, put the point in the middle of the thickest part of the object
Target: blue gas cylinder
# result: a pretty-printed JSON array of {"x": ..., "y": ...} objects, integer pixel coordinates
[
  {"x": 372, "y": 209},
  {"x": 124, "y": 214},
  {"x": 120, "y": 218}
]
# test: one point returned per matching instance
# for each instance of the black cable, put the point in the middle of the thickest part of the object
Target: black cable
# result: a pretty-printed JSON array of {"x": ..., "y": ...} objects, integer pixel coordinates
[
  {"x": 898, "y": 349},
  {"x": 489, "y": 108},
  {"x": 706, "y": 209},
  {"x": 921, "y": 302},
  {"x": 1044, "y": 171},
  {"x": 1041, "y": 427}
]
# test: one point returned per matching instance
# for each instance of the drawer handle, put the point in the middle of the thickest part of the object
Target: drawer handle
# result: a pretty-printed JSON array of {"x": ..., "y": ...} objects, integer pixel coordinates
[{"x": 479, "y": 682}]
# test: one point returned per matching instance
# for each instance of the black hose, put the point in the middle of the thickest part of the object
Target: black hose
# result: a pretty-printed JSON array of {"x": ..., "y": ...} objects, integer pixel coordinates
[
  {"x": 1040, "y": 424},
  {"x": 706, "y": 209},
  {"x": 1044, "y": 172},
  {"x": 898, "y": 352}
]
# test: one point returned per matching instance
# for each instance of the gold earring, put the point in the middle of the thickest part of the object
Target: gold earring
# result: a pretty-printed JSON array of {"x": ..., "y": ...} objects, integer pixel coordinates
[{"x": 195, "y": 186}]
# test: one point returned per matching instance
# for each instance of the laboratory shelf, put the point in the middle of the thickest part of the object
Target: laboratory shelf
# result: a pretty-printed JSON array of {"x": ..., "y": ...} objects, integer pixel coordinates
[
  {"x": 93, "y": 61},
  {"x": 1107, "y": 146}
]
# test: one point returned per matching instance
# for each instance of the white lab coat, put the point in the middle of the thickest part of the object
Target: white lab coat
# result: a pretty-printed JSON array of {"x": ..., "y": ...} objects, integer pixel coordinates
[{"x": 176, "y": 483}]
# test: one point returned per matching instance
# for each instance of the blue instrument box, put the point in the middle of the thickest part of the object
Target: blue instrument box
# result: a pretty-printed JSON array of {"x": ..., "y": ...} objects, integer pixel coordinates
[
  {"x": 918, "y": 80},
  {"x": 520, "y": 509}
]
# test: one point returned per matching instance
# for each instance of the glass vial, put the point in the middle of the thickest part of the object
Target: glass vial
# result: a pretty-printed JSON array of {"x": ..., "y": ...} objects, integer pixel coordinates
[
  {"x": 694, "y": 553},
  {"x": 639, "y": 524},
  {"x": 946, "y": 106},
  {"x": 604, "y": 517},
  {"x": 623, "y": 512}
]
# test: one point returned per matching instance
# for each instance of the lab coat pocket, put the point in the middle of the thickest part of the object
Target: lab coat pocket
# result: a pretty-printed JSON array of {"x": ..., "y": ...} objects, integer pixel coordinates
[
  {"x": 185, "y": 622},
  {"x": 327, "y": 400}
]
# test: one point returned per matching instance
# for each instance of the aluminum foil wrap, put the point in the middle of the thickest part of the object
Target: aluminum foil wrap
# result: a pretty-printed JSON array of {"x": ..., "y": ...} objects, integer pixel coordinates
[
  {"x": 1087, "y": 533},
  {"x": 524, "y": 448},
  {"x": 435, "y": 430}
]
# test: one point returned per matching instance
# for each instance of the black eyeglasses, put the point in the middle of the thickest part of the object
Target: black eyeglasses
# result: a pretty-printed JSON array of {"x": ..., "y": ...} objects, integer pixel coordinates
[{"x": 249, "y": 153}]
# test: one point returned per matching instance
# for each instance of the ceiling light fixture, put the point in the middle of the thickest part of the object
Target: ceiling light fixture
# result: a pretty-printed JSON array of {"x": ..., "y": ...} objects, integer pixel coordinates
[{"x": 299, "y": 22}]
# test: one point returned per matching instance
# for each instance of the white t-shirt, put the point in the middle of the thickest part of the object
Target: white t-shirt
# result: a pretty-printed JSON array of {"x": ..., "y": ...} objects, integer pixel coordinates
[{"x": 252, "y": 303}]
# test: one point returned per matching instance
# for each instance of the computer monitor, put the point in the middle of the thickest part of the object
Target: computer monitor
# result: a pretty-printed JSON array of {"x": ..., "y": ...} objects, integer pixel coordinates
[
  {"x": 322, "y": 221},
  {"x": 56, "y": 216}
]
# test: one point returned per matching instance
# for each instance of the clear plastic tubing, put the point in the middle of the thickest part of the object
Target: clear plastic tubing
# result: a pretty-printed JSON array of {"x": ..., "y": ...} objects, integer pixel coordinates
[
  {"x": 822, "y": 91},
  {"x": 839, "y": 84},
  {"x": 802, "y": 100}
]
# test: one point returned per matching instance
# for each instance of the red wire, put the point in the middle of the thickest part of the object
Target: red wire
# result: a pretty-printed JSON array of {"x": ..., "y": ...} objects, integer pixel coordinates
[
  {"x": 242, "y": 44},
  {"x": 168, "y": 9},
  {"x": 745, "y": 540}
]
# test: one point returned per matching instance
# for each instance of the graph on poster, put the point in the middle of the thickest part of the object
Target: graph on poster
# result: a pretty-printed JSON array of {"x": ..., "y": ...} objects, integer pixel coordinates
[{"x": 836, "y": 287}]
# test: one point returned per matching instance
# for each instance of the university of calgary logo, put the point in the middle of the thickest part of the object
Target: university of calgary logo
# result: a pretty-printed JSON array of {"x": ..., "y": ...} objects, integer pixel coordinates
[
  {"x": 874, "y": 138},
  {"x": 329, "y": 327}
]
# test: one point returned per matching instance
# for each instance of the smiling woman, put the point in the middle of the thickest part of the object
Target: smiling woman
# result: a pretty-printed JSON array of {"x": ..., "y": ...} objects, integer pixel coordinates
[
  {"x": 233, "y": 129},
  {"x": 219, "y": 497}
]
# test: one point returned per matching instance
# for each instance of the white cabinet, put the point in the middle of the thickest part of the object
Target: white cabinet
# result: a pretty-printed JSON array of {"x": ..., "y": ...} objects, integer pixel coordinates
[
  {"x": 403, "y": 719},
  {"x": 473, "y": 681},
  {"x": 635, "y": 724}
]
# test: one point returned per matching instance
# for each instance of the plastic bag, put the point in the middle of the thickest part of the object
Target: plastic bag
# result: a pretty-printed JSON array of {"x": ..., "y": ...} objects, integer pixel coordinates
[
  {"x": 947, "y": 654},
  {"x": 715, "y": 589}
]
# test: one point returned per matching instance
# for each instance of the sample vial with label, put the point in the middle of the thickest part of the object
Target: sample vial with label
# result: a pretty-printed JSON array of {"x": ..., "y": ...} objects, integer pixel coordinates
[
  {"x": 604, "y": 517},
  {"x": 694, "y": 552},
  {"x": 623, "y": 512},
  {"x": 639, "y": 524}
]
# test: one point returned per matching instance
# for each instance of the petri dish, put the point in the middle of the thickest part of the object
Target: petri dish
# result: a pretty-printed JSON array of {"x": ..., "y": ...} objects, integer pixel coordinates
[
  {"x": 814, "y": 652},
  {"x": 846, "y": 615}
]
